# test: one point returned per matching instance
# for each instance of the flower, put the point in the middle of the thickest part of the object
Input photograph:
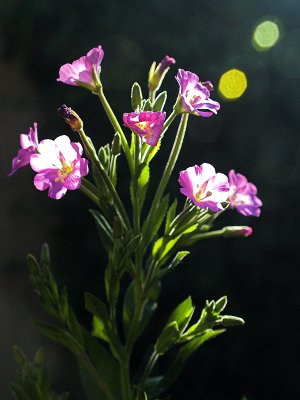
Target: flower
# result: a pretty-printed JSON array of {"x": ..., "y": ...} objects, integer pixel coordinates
[
  {"x": 147, "y": 124},
  {"x": 205, "y": 187},
  {"x": 80, "y": 72},
  {"x": 59, "y": 166},
  {"x": 194, "y": 96},
  {"x": 242, "y": 195},
  {"x": 29, "y": 144}
]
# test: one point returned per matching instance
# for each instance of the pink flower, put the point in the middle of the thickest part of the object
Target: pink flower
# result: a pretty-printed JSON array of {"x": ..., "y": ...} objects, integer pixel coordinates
[
  {"x": 59, "y": 166},
  {"x": 195, "y": 95},
  {"x": 205, "y": 187},
  {"x": 242, "y": 195},
  {"x": 80, "y": 72},
  {"x": 29, "y": 144},
  {"x": 147, "y": 124}
]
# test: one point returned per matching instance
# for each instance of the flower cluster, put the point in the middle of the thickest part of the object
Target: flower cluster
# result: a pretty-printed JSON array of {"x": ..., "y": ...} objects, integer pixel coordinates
[
  {"x": 208, "y": 189},
  {"x": 141, "y": 249}
]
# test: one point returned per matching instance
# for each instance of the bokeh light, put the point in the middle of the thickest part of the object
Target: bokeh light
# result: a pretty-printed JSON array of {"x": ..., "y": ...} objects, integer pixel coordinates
[
  {"x": 232, "y": 84},
  {"x": 266, "y": 35}
]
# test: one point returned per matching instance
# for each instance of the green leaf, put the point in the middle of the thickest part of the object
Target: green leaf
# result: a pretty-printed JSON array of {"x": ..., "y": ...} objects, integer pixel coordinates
[
  {"x": 143, "y": 175},
  {"x": 167, "y": 338},
  {"x": 170, "y": 215},
  {"x": 147, "y": 106},
  {"x": 160, "y": 101},
  {"x": 98, "y": 309},
  {"x": 163, "y": 246},
  {"x": 184, "y": 353},
  {"x": 173, "y": 264},
  {"x": 153, "y": 151},
  {"x": 104, "y": 229},
  {"x": 19, "y": 356},
  {"x": 59, "y": 335},
  {"x": 158, "y": 217},
  {"x": 182, "y": 314},
  {"x": 136, "y": 96},
  {"x": 107, "y": 385},
  {"x": 99, "y": 330},
  {"x": 220, "y": 304}
]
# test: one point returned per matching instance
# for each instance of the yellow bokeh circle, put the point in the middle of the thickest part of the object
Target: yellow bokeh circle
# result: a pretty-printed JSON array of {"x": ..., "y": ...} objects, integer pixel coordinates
[{"x": 232, "y": 84}]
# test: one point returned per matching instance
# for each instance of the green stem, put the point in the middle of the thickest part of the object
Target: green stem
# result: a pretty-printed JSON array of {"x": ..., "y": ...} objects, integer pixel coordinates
[
  {"x": 89, "y": 193},
  {"x": 168, "y": 169},
  {"x": 152, "y": 94},
  {"x": 116, "y": 199},
  {"x": 114, "y": 122},
  {"x": 125, "y": 381}
]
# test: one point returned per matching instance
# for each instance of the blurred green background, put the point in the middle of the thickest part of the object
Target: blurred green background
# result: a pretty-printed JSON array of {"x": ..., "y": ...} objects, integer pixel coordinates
[{"x": 257, "y": 135}]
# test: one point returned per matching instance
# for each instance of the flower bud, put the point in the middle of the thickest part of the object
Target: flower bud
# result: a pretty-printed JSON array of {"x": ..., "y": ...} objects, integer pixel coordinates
[
  {"x": 221, "y": 304},
  {"x": 116, "y": 145},
  {"x": 237, "y": 231},
  {"x": 136, "y": 96},
  {"x": 231, "y": 320},
  {"x": 157, "y": 74},
  {"x": 70, "y": 117}
]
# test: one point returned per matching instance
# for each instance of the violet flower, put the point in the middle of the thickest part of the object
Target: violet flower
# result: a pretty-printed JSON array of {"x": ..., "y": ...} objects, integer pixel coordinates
[
  {"x": 194, "y": 96},
  {"x": 242, "y": 195},
  {"x": 147, "y": 124},
  {"x": 59, "y": 166},
  {"x": 80, "y": 72},
  {"x": 29, "y": 144},
  {"x": 205, "y": 187}
]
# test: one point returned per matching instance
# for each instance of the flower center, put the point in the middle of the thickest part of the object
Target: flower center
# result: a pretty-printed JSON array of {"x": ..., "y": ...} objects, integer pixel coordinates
[
  {"x": 142, "y": 125},
  {"x": 201, "y": 192},
  {"x": 64, "y": 172}
]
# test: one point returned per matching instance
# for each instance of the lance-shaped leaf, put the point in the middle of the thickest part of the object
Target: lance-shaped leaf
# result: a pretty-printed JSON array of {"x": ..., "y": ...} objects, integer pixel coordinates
[
  {"x": 182, "y": 314},
  {"x": 160, "y": 101},
  {"x": 184, "y": 353},
  {"x": 101, "y": 320},
  {"x": 136, "y": 96},
  {"x": 173, "y": 264},
  {"x": 104, "y": 229},
  {"x": 170, "y": 215},
  {"x": 169, "y": 336}
]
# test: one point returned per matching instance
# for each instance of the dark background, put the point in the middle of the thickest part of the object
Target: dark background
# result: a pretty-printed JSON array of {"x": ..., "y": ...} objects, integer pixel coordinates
[{"x": 257, "y": 135}]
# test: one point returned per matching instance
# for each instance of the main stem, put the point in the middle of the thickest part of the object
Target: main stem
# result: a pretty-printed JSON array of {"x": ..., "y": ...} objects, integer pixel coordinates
[
  {"x": 169, "y": 167},
  {"x": 116, "y": 199},
  {"x": 116, "y": 126}
]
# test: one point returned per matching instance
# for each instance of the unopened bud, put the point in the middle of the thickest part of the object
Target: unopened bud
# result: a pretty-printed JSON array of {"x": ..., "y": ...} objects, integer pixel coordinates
[
  {"x": 221, "y": 304},
  {"x": 70, "y": 117},
  {"x": 116, "y": 145},
  {"x": 237, "y": 231},
  {"x": 156, "y": 75},
  {"x": 231, "y": 320},
  {"x": 136, "y": 96}
]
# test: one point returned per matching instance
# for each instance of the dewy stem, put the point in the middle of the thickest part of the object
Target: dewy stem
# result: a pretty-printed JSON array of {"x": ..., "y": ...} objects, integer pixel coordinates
[
  {"x": 116, "y": 199},
  {"x": 169, "y": 167},
  {"x": 115, "y": 123}
]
